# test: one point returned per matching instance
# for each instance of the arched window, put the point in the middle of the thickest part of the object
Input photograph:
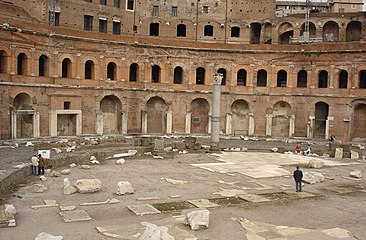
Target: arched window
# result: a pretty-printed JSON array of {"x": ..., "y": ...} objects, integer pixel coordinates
[
  {"x": 323, "y": 79},
  {"x": 66, "y": 68},
  {"x": 89, "y": 69},
  {"x": 154, "y": 29},
  {"x": 178, "y": 75},
  {"x": 353, "y": 31},
  {"x": 22, "y": 64},
  {"x": 155, "y": 74},
  {"x": 111, "y": 71},
  {"x": 255, "y": 33},
  {"x": 235, "y": 32},
  {"x": 282, "y": 78},
  {"x": 181, "y": 30},
  {"x": 43, "y": 65},
  {"x": 343, "y": 79},
  {"x": 133, "y": 72},
  {"x": 285, "y": 32},
  {"x": 223, "y": 72},
  {"x": 208, "y": 30},
  {"x": 3, "y": 62},
  {"x": 330, "y": 32},
  {"x": 262, "y": 78},
  {"x": 362, "y": 83},
  {"x": 302, "y": 79},
  {"x": 241, "y": 79},
  {"x": 200, "y": 75}
]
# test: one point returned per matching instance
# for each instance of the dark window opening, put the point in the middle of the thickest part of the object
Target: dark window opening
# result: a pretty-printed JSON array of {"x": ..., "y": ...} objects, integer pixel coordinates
[
  {"x": 155, "y": 11},
  {"x": 223, "y": 72},
  {"x": 282, "y": 78},
  {"x": 302, "y": 79},
  {"x": 3, "y": 63},
  {"x": 66, "y": 68},
  {"x": 130, "y": 4},
  {"x": 111, "y": 71},
  {"x": 262, "y": 78},
  {"x": 154, "y": 29},
  {"x": 205, "y": 9},
  {"x": 178, "y": 75},
  {"x": 89, "y": 68},
  {"x": 343, "y": 79},
  {"x": 362, "y": 79},
  {"x": 323, "y": 79},
  {"x": 102, "y": 26},
  {"x": 54, "y": 18},
  {"x": 103, "y": 2},
  {"x": 133, "y": 72},
  {"x": 116, "y": 3},
  {"x": 116, "y": 28},
  {"x": 42, "y": 65},
  {"x": 235, "y": 32},
  {"x": 241, "y": 78},
  {"x": 200, "y": 75},
  {"x": 174, "y": 11},
  {"x": 67, "y": 105},
  {"x": 208, "y": 31},
  {"x": 22, "y": 64},
  {"x": 88, "y": 23},
  {"x": 155, "y": 74},
  {"x": 255, "y": 33},
  {"x": 181, "y": 30}
]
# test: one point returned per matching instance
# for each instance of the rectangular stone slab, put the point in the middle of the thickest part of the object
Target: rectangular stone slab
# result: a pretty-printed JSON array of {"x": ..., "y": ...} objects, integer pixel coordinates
[
  {"x": 143, "y": 209},
  {"x": 253, "y": 198},
  {"x": 75, "y": 216},
  {"x": 203, "y": 203}
]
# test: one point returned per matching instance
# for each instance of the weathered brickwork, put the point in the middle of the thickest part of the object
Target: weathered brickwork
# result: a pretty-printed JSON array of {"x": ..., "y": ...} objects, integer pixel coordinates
[{"x": 64, "y": 81}]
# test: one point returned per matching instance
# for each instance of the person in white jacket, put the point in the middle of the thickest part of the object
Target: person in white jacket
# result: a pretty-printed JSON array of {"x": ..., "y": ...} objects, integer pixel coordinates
[{"x": 35, "y": 164}]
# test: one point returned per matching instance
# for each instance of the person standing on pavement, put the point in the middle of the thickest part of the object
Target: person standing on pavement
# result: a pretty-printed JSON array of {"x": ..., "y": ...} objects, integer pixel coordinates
[
  {"x": 42, "y": 163},
  {"x": 298, "y": 178},
  {"x": 35, "y": 164}
]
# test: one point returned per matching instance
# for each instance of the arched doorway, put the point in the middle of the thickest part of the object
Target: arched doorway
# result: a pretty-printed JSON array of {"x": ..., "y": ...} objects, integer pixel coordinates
[
  {"x": 23, "y": 116},
  {"x": 358, "y": 126},
  {"x": 281, "y": 119},
  {"x": 240, "y": 118},
  {"x": 200, "y": 110},
  {"x": 156, "y": 115},
  {"x": 321, "y": 117},
  {"x": 110, "y": 106}
]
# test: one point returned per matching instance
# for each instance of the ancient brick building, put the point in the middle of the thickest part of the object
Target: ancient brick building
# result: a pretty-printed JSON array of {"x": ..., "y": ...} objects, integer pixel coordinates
[{"x": 89, "y": 67}]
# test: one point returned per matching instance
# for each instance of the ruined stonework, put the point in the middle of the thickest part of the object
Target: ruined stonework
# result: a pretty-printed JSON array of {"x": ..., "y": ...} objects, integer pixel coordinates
[{"x": 154, "y": 74}]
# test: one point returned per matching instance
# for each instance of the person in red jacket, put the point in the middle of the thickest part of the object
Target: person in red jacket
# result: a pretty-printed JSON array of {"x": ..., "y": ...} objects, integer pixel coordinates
[{"x": 298, "y": 178}]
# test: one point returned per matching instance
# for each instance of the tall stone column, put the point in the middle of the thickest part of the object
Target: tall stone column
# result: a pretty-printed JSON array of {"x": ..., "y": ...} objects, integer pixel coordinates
[
  {"x": 215, "y": 118},
  {"x": 144, "y": 122},
  {"x": 36, "y": 125},
  {"x": 14, "y": 124},
  {"x": 310, "y": 127},
  {"x": 188, "y": 122},
  {"x": 292, "y": 126},
  {"x": 228, "y": 124},
  {"x": 269, "y": 118},
  {"x": 169, "y": 122},
  {"x": 124, "y": 122},
  {"x": 251, "y": 124},
  {"x": 99, "y": 123}
]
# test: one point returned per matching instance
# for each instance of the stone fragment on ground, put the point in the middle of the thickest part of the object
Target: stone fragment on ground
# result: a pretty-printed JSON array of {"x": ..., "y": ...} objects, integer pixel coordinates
[
  {"x": 75, "y": 216},
  {"x": 143, "y": 209},
  {"x": 21, "y": 165},
  {"x": 338, "y": 153},
  {"x": 354, "y": 155},
  {"x": 47, "y": 236},
  {"x": 253, "y": 198},
  {"x": 175, "y": 181},
  {"x": 43, "y": 178},
  {"x": 124, "y": 187},
  {"x": 316, "y": 163},
  {"x": 85, "y": 167},
  {"x": 121, "y": 161},
  {"x": 88, "y": 185},
  {"x": 197, "y": 219},
  {"x": 356, "y": 174},
  {"x": 229, "y": 192},
  {"x": 108, "y": 201},
  {"x": 40, "y": 188},
  {"x": 154, "y": 232},
  {"x": 203, "y": 203},
  {"x": 68, "y": 189},
  {"x": 68, "y": 208},
  {"x": 65, "y": 172},
  {"x": 313, "y": 177},
  {"x": 72, "y": 165},
  {"x": 55, "y": 174},
  {"x": 47, "y": 204},
  {"x": 147, "y": 198}
]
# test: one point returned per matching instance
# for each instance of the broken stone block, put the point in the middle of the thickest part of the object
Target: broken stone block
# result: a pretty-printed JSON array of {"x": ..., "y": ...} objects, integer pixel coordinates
[
  {"x": 190, "y": 142},
  {"x": 57, "y": 150},
  {"x": 65, "y": 172},
  {"x": 43, "y": 178},
  {"x": 10, "y": 211},
  {"x": 197, "y": 220},
  {"x": 94, "y": 162},
  {"x": 168, "y": 149},
  {"x": 41, "y": 188},
  {"x": 20, "y": 166},
  {"x": 121, "y": 161},
  {"x": 72, "y": 165},
  {"x": 312, "y": 177},
  {"x": 244, "y": 149},
  {"x": 92, "y": 158},
  {"x": 88, "y": 185},
  {"x": 55, "y": 174},
  {"x": 46, "y": 236},
  {"x": 183, "y": 152},
  {"x": 124, "y": 187},
  {"x": 158, "y": 157},
  {"x": 159, "y": 145},
  {"x": 174, "y": 181},
  {"x": 338, "y": 153},
  {"x": 68, "y": 189},
  {"x": 75, "y": 216},
  {"x": 315, "y": 163},
  {"x": 356, "y": 174},
  {"x": 29, "y": 144},
  {"x": 274, "y": 149},
  {"x": 85, "y": 167},
  {"x": 154, "y": 232},
  {"x": 354, "y": 155},
  {"x": 143, "y": 209}
]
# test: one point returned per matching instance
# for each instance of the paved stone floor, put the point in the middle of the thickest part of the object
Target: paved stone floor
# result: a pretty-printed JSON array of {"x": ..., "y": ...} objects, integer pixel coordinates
[{"x": 257, "y": 199}]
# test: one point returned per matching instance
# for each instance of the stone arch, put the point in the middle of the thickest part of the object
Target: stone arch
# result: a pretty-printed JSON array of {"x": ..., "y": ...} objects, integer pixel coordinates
[
  {"x": 262, "y": 78},
  {"x": 208, "y": 30},
  {"x": 178, "y": 75},
  {"x": 111, "y": 108},
  {"x": 134, "y": 72},
  {"x": 112, "y": 71},
  {"x": 267, "y": 33},
  {"x": 155, "y": 74},
  {"x": 255, "y": 33},
  {"x": 281, "y": 119},
  {"x": 321, "y": 117},
  {"x": 43, "y": 65},
  {"x": 330, "y": 32},
  {"x": 240, "y": 117},
  {"x": 323, "y": 79},
  {"x": 235, "y": 31},
  {"x": 353, "y": 31},
  {"x": 66, "y": 68},
  {"x": 343, "y": 79},
  {"x": 3, "y": 61},
  {"x": 241, "y": 77},
  {"x": 282, "y": 78},
  {"x": 358, "y": 126},
  {"x": 285, "y": 32},
  {"x": 24, "y": 120},
  {"x": 200, "y": 110},
  {"x": 156, "y": 115},
  {"x": 312, "y": 30},
  {"x": 22, "y": 64},
  {"x": 302, "y": 79},
  {"x": 181, "y": 30},
  {"x": 89, "y": 69},
  {"x": 200, "y": 75}
]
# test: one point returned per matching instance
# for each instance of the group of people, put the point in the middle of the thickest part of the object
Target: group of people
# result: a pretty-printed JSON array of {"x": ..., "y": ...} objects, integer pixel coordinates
[
  {"x": 38, "y": 164},
  {"x": 298, "y": 150}
]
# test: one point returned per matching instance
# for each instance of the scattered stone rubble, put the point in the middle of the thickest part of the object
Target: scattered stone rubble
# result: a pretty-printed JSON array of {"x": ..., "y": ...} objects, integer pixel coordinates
[
  {"x": 124, "y": 187},
  {"x": 356, "y": 174},
  {"x": 88, "y": 185},
  {"x": 154, "y": 232},
  {"x": 197, "y": 219},
  {"x": 46, "y": 236}
]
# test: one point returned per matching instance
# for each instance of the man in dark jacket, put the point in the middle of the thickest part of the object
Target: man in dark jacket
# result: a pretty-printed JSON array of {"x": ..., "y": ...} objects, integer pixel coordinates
[{"x": 298, "y": 179}]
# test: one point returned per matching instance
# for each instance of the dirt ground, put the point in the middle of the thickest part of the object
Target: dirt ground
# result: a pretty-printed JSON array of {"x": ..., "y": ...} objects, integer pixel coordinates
[{"x": 325, "y": 209}]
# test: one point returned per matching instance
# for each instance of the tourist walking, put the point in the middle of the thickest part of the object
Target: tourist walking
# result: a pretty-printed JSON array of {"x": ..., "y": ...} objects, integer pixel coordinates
[
  {"x": 42, "y": 163},
  {"x": 298, "y": 179},
  {"x": 35, "y": 164}
]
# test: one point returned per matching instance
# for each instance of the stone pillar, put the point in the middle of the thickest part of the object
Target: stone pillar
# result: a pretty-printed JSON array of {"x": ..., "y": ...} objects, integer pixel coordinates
[
  {"x": 187, "y": 129},
  {"x": 124, "y": 122},
  {"x": 99, "y": 123},
  {"x": 169, "y": 122},
  {"x": 332, "y": 81},
  {"x": 79, "y": 125},
  {"x": 215, "y": 118},
  {"x": 251, "y": 124},
  {"x": 327, "y": 125},
  {"x": 292, "y": 126},
  {"x": 53, "y": 123},
  {"x": 269, "y": 124},
  {"x": 14, "y": 124},
  {"x": 310, "y": 127},
  {"x": 36, "y": 125},
  {"x": 209, "y": 124},
  {"x": 228, "y": 129},
  {"x": 144, "y": 122}
]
